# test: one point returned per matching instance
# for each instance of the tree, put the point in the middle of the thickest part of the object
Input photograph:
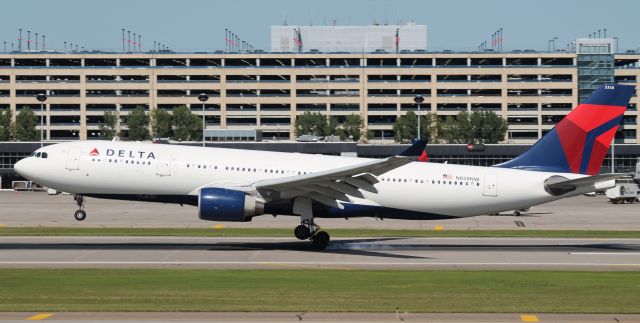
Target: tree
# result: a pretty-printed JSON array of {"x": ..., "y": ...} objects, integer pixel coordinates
[
  {"x": 108, "y": 125},
  {"x": 25, "y": 127},
  {"x": 488, "y": 127},
  {"x": 332, "y": 127},
  {"x": 477, "y": 127},
  {"x": 353, "y": 127},
  {"x": 138, "y": 122},
  {"x": 457, "y": 129},
  {"x": 186, "y": 125},
  {"x": 161, "y": 123},
  {"x": 311, "y": 123},
  {"x": 406, "y": 127},
  {"x": 429, "y": 127},
  {"x": 6, "y": 126}
]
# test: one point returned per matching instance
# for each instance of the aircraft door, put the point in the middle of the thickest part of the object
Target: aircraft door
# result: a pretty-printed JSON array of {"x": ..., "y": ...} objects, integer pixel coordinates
[
  {"x": 73, "y": 159},
  {"x": 490, "y": 185},
  {"x": 164, "y": 165}
]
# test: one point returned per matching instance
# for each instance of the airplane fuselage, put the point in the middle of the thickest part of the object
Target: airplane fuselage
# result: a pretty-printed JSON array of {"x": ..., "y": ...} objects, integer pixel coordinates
[{"x": 175, "y": 173}]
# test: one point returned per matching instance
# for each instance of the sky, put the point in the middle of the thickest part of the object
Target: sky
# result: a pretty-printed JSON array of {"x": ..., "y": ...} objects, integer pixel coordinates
[{"x": 198, "y": 25}]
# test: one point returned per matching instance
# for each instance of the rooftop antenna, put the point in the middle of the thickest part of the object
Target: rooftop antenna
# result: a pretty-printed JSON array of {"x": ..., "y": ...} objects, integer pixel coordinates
[
  {"x": 44, "y": 44},
  {"x": 386, "y": 12},
  {"x": 285, "y": 20},
  {"x": 28, "y": 40},
  {"x": 20, "y": 39},
  {"x": 36, "y": 42}
]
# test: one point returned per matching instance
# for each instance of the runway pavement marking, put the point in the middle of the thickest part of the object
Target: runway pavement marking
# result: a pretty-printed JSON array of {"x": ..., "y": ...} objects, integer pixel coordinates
[
  {"x": 2, "y": 226},
  {"x": 528, "y": 318},
  {"x": 606, "y": 253},
  {"x": 38, "y": 317},
  {"x": 218, "y": 226},
  {"x": 438, "y": 228}
]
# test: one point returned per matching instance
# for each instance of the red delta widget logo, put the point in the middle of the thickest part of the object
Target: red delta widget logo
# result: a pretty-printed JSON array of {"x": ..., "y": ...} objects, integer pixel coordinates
[{"x": 94, "y": 152}]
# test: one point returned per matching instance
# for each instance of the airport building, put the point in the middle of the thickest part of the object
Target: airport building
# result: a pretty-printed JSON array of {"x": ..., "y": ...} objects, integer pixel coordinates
[{"x": 265, "y": 91}]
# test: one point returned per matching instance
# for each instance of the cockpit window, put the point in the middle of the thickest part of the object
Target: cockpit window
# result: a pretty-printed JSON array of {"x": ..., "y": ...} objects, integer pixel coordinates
[
  {"x": 33, "y": 154},
  {"x": 44, "y": 155},
  {"x": 37, "y": 155}
]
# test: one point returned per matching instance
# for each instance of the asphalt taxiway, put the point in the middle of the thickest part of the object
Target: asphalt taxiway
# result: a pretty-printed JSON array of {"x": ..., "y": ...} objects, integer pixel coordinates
[
  {"x": 344, "y": 253},
  {"x": 24, "y": 209}
]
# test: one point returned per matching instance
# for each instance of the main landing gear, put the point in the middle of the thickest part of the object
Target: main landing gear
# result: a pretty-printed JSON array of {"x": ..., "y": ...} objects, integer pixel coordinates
[
  {"x": 80, "y": 214},
  {"x": 307, "y": 228}
]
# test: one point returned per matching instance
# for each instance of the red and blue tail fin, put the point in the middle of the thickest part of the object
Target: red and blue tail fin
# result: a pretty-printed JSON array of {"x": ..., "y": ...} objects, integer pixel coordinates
[
  {"x": 417, "y": 149},
  {"x": 579, "y": 142}
]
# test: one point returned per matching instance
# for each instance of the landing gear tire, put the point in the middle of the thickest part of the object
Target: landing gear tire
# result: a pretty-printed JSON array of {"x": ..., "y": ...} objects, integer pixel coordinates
[
  {"x": 302, "y": 232},
  {"x": 320, "y": 240},
  {"x": 80, "y": 215},
  {"x": 516, "y": 213}
]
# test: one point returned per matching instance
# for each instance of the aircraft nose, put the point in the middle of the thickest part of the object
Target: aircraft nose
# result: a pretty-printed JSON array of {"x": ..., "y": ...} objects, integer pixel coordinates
[{"x": 20, "y": 167}]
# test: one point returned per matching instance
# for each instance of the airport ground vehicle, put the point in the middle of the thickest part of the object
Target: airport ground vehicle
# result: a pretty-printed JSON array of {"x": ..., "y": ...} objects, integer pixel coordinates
[
  {"x": 625, "y": 191},
  {"x": 237, "y": 185}
]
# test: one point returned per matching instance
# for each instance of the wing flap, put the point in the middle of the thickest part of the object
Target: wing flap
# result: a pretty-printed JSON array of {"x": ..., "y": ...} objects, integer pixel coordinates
[{"x": 330, "y": 186}]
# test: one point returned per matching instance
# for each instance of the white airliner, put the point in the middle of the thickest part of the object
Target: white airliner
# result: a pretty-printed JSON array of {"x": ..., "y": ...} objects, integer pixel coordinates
[{"x": 236, "y": 185}]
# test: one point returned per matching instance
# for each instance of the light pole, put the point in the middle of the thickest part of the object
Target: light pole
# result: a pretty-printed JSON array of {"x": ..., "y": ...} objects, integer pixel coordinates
[
  {"x": 418, "y": 99},
  {"x": 41, "y": 97},
  {"x": 203, "y": 97}
]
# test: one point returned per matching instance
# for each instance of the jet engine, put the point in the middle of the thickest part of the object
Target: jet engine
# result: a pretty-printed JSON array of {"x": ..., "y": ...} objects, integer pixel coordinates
[{"x": 219, "y": 204}]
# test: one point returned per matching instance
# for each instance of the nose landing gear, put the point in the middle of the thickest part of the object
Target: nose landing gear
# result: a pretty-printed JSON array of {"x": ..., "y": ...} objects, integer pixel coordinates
[{"x": 80, "y": 214}]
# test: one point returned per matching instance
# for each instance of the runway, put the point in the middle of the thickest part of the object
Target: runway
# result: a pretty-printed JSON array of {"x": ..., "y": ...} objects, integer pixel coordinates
[{"x": 345, "y": 253}]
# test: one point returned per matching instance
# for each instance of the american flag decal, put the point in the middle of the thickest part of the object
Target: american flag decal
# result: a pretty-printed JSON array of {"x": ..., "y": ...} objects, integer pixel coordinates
[{"x": 447, "y": 176}]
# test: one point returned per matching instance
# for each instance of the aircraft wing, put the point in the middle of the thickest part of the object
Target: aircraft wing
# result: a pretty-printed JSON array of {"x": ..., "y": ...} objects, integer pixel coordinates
[
  {"x": 333, "y": 185},
  {"x": 558, "y": 185}
]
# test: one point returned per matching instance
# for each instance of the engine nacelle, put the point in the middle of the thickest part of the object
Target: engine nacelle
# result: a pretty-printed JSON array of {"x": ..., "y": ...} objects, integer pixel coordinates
[{"x": 219, "y": 204}]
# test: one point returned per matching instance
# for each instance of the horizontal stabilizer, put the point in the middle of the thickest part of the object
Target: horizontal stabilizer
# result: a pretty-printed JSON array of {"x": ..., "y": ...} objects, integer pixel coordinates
[{"x": 559, "y": 185}]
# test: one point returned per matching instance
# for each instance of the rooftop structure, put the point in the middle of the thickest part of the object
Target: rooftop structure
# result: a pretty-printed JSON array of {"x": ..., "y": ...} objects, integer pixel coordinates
[{"x": 352, "y": 39}]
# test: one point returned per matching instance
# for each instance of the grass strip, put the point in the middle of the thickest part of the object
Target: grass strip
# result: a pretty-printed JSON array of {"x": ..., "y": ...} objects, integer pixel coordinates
[
  {"x": 288, "y": 232},
  {"x": 318, "y": 290}
]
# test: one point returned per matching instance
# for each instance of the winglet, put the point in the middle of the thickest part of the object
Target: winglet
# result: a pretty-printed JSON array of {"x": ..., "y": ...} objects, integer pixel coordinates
[{"x": 416, "y": 149}]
